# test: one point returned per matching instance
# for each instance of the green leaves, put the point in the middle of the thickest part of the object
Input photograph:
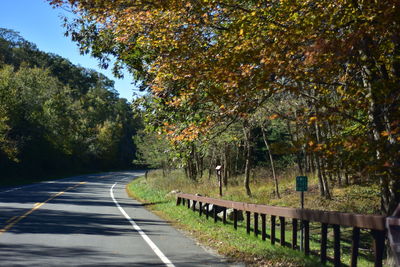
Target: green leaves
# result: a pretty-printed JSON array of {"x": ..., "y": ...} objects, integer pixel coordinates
[{"x": 59, "y": 116}]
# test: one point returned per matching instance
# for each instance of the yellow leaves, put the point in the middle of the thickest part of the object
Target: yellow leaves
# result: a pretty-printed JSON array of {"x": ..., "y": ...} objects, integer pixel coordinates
[
  {"x": 312, "y": 120},
  {"x": 241, "y": 32},
  {"x": 340, "y": 90}
]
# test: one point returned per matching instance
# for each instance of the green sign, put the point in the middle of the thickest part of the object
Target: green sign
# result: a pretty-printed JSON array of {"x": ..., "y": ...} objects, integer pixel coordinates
[{"x": 301, "y": 183}]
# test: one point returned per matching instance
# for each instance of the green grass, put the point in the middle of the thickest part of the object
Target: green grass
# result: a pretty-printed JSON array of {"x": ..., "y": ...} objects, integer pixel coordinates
[{"x": 238, "y": 244}]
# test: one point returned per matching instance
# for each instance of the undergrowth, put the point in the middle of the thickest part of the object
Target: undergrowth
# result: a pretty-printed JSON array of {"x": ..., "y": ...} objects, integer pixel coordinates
[{"x": 364, "y": 199}]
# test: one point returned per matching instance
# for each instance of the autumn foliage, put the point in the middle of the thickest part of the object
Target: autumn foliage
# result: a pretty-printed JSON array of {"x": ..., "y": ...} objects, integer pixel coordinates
[{"x": 332, "y": 68}]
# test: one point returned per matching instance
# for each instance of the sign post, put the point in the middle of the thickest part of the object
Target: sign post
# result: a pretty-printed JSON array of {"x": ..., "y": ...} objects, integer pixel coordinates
[
  {"x": 301, "y": 186},
  {"x": 219, "y": 169}
]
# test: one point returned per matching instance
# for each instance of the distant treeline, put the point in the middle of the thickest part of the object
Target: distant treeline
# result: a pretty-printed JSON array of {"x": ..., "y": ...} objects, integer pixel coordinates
[{"x": 57, "y": 117}]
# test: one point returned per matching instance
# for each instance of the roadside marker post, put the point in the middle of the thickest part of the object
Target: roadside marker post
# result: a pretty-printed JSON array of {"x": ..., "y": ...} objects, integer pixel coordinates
[
  {"x": 219, "y": 170},
  {"x": 301, "y": 186}
]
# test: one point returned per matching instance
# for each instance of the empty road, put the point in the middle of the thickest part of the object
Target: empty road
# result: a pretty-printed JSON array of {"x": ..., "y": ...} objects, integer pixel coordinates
[{"x": 89, "y": 220}]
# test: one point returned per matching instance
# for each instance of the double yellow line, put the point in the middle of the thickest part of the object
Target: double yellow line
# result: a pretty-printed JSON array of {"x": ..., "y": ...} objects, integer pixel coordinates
[{"x": 14, "y": 220}]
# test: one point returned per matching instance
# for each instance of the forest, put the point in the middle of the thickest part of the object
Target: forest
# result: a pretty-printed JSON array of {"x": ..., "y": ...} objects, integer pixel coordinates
[
  {"x": 315, "y": 83},
  {"x": 57, "y": 118}
]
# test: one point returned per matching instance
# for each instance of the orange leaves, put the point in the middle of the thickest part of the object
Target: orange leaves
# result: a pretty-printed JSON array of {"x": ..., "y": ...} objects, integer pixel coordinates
[
  {"x": 247, "y": 70},
  {"x": 273, "y": 116},
  {"x": 224, "y": 58},
  {"x": 385, "y": 133},
  {"x": 318, "y": 147},
  {"x": 188, "y": 134}
]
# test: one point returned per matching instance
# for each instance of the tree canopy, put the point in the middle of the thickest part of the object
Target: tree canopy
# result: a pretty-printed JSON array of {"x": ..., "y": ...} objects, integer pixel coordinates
[
  {"x": 209, "y": 63},
  {"x": 55, "y": 116}
]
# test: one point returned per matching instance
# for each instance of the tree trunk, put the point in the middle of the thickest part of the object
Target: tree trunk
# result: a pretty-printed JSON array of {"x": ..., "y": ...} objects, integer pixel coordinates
[
  {"x": 307, "y": 160},
  {"x": 321, "y": 161},
  {"x": 374, "y": 77},
  {"x": 192, "y": 168},
  {"x": 346, "y": 177},
  {"x": 226, "y": 165},
  {"x": 320, "y": 179},
  {"x": 298, "y": 151},
  {"x": 236, "y": 170},
  {"x": 339, "y": 176},
  {"x": 272, "y": 163},
  {"x": 247, "y": 170},
  {"x": 211, "y": 165}
]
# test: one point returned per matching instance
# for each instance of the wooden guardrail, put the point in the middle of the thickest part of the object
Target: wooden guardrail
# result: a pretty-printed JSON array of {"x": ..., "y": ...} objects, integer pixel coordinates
[
  {"x": 393, "y": 227},
  {"x": 375, "y": 223}
]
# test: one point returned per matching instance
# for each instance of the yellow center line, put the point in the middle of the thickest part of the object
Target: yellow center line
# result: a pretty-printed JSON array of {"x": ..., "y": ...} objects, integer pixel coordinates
[
  {"x": 11, "y": 219},
  {"x": 14, "y": 220}
]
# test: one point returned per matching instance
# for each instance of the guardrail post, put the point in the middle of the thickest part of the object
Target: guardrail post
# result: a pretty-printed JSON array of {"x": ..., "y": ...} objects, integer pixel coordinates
[
  {"x": 256, "y": 224},
  {"x": 273, "y": 229},
  {"x": 324, "y": 240},
  {"x": 282, "y": 222},
  {"x": 306, "y": 225},
  {"x": 354, "y": 246},
  {"x": 248, "y": 222},
  {"x": 336, "y": 245},
  {"x": 194, "y": 205},
  {"x": 375, "y": 223},
  {"x": 235, "y": 218},
  {"x": 379, "y": 245},
  {"x": 294, "y": 233},
  {"x": 263, "y": 227}
]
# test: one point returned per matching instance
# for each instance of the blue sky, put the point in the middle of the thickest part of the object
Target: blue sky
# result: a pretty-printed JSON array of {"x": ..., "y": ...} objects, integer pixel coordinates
[{"x": 39, "y": 23}]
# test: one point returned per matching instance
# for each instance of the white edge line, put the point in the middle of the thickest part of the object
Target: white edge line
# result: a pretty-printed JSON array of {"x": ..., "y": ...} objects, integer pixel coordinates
[{"x": 140, "y": 231}]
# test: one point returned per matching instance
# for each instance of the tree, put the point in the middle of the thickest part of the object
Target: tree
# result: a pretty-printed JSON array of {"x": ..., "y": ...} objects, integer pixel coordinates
[
  {"x": 342, "y": 57},
  {"x": 56, "y": 116}
]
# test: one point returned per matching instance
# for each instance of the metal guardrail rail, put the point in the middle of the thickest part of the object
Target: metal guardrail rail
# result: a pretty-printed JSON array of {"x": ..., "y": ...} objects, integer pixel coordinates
[{"x": 375, "y": 223}]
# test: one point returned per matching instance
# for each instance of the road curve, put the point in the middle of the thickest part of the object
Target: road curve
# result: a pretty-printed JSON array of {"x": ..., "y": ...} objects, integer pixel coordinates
[{"x": 90, "y": 221}]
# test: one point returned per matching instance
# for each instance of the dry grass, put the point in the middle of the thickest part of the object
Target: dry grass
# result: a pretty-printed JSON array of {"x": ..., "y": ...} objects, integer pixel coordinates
[{"x": 363, "y": 199}]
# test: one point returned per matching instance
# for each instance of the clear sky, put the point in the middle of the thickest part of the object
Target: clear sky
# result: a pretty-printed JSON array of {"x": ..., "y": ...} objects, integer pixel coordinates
[{"x": 39, "y": 23}]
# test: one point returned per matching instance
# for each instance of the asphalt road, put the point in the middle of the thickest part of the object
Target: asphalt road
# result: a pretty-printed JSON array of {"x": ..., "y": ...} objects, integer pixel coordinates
[{"x": 90, "y": 221}]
